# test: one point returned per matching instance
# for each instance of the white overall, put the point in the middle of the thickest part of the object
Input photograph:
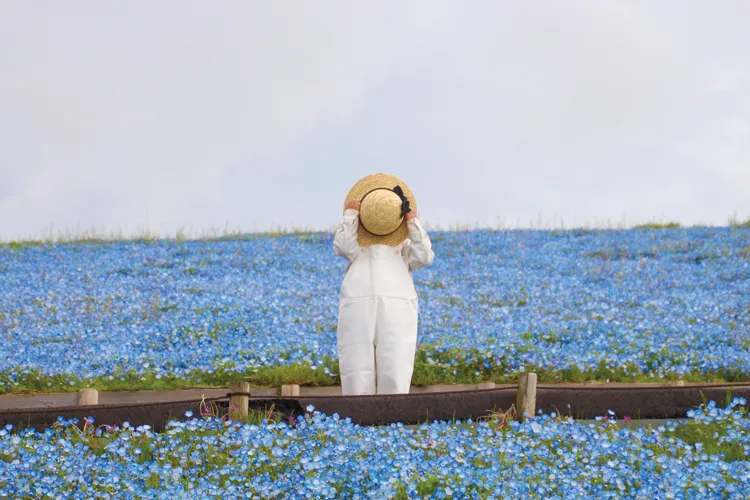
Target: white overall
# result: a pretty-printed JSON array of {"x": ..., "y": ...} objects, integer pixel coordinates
[{"x": 378, "y": 309}]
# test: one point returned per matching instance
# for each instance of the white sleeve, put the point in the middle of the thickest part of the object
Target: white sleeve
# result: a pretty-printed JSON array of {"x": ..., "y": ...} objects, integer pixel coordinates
[
  {"x": 345, "y": 240},
  {"x": 419, "y": 251}
]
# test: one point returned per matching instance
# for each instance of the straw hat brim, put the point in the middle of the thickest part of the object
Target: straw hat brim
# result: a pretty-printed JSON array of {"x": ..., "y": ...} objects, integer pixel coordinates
[{"x": 364, "y": 186}]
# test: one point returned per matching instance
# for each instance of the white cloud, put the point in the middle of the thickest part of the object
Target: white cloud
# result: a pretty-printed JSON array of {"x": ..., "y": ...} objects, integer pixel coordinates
[{"x": 183, "y": 114}]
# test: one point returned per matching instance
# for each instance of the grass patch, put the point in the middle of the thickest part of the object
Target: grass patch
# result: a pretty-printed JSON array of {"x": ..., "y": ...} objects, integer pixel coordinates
[
  {"x": 658, "y": 225},
  {"x": 20, "y": 245},
  {"x": 147, "y": 237},
  {"x": 734, "y": 222},
  {"x": 272, "y": 376},
  {"x": 430, "y": 368},
  {"x": 712, "y": 437},
  {"x": 310, "y": 235},
  {"x": 709, "y": 436}
]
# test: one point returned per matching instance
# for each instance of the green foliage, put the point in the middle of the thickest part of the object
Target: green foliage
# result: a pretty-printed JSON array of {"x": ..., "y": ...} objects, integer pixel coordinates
[
  {"x": 308, "y": 235},
  {"x": 147, "y": 237},
  {"x": 658, "y": 225},
  {"x": 20, "y": 245},
  {"x": 711, "y": 437},
  {"x": 149, "y": 380},
  {"x": 708, "y": 435},
  {"x": 743, "y": 224},
  {"x": 432, "y": 366}
]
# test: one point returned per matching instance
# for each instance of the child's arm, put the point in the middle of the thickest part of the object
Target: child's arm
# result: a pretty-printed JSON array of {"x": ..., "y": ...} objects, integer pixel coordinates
[
  {"x": 419, "y": 251},
  {"x": 345, "y": 241}
]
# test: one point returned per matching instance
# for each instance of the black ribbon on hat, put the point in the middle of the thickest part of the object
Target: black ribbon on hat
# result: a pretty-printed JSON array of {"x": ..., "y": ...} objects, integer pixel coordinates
[{"x": 404, "y": 200}]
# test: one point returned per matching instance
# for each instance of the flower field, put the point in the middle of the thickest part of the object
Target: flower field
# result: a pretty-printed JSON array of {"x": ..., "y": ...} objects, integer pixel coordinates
[
  {"x": 324, "y": 457},
  {"x": 625, "y": 305},
  {"x": 620, "y": 305}
]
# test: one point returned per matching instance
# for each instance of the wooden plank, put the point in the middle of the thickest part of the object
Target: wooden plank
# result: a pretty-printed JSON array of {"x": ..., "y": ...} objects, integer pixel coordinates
[
  {"x": 290, "y": 390},
  {"x": 88, "y": 397},
  {"x": 526, "y": 398},
  {"x": 238, "y": 405}
]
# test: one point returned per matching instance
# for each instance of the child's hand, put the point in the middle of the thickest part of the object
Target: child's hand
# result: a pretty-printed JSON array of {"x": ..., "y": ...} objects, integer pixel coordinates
[
  {"x": 353, "y": 205},
  {"x": 412, "y": 214}
]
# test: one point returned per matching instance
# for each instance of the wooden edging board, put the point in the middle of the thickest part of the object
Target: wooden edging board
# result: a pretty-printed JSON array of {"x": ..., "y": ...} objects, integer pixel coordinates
[
  {"x": 637, "y": 403},
  {"x": 69, "y": 399}
]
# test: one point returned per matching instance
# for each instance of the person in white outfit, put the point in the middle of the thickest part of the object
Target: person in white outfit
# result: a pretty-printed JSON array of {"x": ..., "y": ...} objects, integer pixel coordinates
[{"x": 384, "y": 242}]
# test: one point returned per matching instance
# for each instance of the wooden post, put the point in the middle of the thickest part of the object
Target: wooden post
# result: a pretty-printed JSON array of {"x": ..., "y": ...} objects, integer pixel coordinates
[
  {"x": 486, "y": 385},
  {"x": 238, "y": 405},
  {"x": 88, "y": 397},
  {"x": 526, "y": 400},
  {"x": 290, "y": 390}
]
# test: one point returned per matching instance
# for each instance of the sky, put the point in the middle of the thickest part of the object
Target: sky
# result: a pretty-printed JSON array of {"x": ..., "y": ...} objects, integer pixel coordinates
[{"x": 240, "y": 115}]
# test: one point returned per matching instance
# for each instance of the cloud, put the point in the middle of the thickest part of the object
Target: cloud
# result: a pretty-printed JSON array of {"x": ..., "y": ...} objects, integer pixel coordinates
[{"x": 183, "y": 114}]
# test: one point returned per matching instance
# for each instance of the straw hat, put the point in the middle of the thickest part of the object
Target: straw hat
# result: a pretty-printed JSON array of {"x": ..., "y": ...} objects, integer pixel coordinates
[{"x": 380, "y": 217}]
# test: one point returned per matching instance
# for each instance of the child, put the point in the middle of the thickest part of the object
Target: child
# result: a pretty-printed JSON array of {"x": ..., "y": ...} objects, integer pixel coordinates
[{"x": 378, "y": 310}]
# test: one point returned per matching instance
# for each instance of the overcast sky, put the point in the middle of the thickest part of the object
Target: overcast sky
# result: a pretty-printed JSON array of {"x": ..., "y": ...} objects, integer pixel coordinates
[{"x": 168, "y": 114}]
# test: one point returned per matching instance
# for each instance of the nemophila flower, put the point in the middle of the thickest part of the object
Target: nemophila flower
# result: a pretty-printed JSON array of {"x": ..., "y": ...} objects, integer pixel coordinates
[{"x": 622, "y": 303}]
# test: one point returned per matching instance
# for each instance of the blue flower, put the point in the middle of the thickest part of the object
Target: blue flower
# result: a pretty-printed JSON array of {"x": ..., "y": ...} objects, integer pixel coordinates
[
  {"x": 550, "y": 458},
  {"x": 631, "y": 304},
  {"x": 624, "y": 301}
]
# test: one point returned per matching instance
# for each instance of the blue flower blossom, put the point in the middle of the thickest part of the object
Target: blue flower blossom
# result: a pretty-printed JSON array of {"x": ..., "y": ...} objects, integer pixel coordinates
[
  {"x": 659, "y": 304},
  {"x": 546, "y": 456},
  {"x": 655, "y": 304}
]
